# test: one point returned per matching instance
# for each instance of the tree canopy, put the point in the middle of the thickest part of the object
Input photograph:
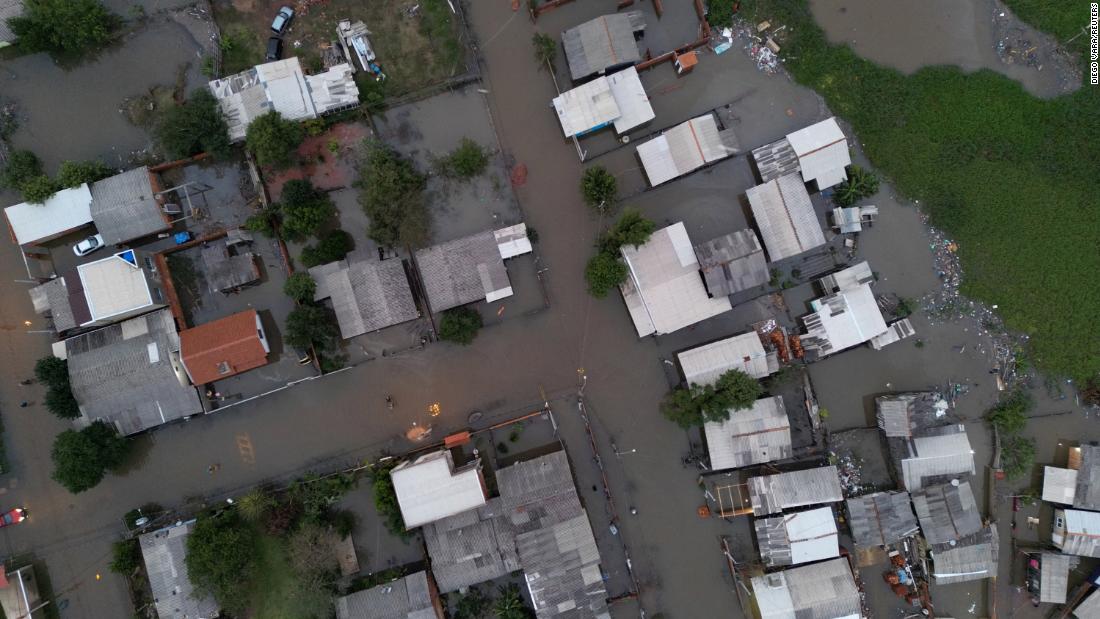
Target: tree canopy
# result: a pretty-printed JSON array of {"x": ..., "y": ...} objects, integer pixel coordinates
[
  {"x": 1010, "y": 415},
  {"x": 300, "y": 287},
  {"x": 38, "y": 189},
  {"x": 273, "y": 139},
  {"x": 632, "y": 228},
  {"x": 63, "y": 27},
  {"x": 76, "y": 173},
  {"x": 221, "y": 559},
  {"x": 304, "y": 209},
  {"x": 467, "y": 160},
  {"x": 22, "y": 166},
  {"x": 604, "y": 273},
  {"x": 546, "y": 49},
  {"x": 391, "y": 193},
  {"x": 460, "y": 325},
  {"x": 81, "y": 458},
  {"x": 333, "y": 246},
  {"x": 697, "y": 404},
  {"x": 599, "y": 188},
  {"x": 54, "y": 374},
  {"x": 195, "y": 127},
  {"x": 311, "y": 325}
]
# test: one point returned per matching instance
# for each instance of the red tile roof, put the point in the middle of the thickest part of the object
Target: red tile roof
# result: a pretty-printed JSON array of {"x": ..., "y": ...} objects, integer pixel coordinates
[{"x": 222, "y": 348}]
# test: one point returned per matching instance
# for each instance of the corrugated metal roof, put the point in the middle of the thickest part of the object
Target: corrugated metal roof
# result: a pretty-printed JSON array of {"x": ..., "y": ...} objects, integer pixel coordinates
[
  {"x": 430, "y": 488},
  {"x": 686, "y": 147},
  {"x": 463, "y": 271},
  {"x": 66, "y": 210},
  {"x": 175, "y": 597},
  {"x": 895, "y": 331},
  {"x": 1090, "y": 607},
  {"x": 842, "y": 320},
  {"x": 1059, "y": 485},
  {"x": 124, "y": 207},
  {"x": 602, "y": 43},
  {"x": 785, "y": 216},
  {"x": 775, "y": 160},
  {"x": 825, "y": 590},
  {"x": 512, "y": 241},
  {"x": 403, "y": 598},
  {"x": 665, "y": 292},
  {"x": 367, "y": 295},
  {"x": 586, "y": 108},
  {"x": 732, "y": 263},
  {"x": 906, "y": 414},
  {"x": 1087, "y": 493},
  {"x": 972, "y": 558},
  {"x": 881, "y": 518},
  {"x": 773, "y": 493},
  {"x": 937, "y": 456},
  {"x": 848, "y": 278},
  {"x": 802, "y": 537},
  {"x": 225, "y": 272},
  {"x": 1054, "y": 577},
  {"x": 754, "y": 436},
  {"x": 631, "y": 99},
  {"x": 822, "y": 152},
  {"x": 1082, "y": 533},
  {"x": 703, "y": 365},
  {"x": 947, "y": 512},
  {"x": 334, "y": 89}
]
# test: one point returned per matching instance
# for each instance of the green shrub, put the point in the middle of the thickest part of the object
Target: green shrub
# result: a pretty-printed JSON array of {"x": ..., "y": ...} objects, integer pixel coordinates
[
  {"x": 264, "y": 221},
  {"x": 861, "y": 183},
  {"x": 598, "y": 187},
  {"x": 38, "y": 189},
  {"x": 76, "y": 173},
  {"x": 333, "y": 246},
  {"x": 720, "y": 12},
  {"x": 304, "y": 209},
  {"x": 467, "y": 160},
  {"x": 1017, "y": 456},
  {"x": 195, "y": 127},
  {"x": 273, "y": 139},
  {"x": 125, "y": 556},
  {"x": 1010, "y": 415},
  {"x": 64, "y": 28},
  {"x": 300, "y": 287},
  {"x": 546, "y": 49},
  {"x": 391, "y": 193},
  {"x": 604, "y": 273},
  {"x": 308, "y": 325},
  {"x": 460, "y": 325},
  {"x": 22, "y": 166},
  {"x": 82, "y": 458}
]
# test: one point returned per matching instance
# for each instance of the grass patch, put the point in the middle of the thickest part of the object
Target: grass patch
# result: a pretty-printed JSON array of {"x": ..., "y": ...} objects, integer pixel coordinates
[
  {"x": 1064, "y": 19},
  {"x": 276, "y": 585},
  {"x": 1010, "y": 177}
]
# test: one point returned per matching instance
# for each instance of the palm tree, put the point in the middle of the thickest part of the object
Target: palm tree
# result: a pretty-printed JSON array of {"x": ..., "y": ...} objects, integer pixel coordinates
[{"x": 510, "y": 605}]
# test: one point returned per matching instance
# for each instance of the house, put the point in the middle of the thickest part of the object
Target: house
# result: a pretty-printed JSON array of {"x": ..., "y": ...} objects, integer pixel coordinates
[
  {"x": 757, "y": 435},
  {"x": 801, "y": 537},
  {"x": 903, "y": 415},
  {"x": 852, "y": 219},
  {"x": 165, "y": 552},
  {"x": 366, "y": 295},
  {"x": 825, "y": 590},
  {"x": 1077, "y": 532},
  {"x": 412, "y": 597},
  {"x": 1087, "y": 493},
  {"x": 66, "y": 211},
  {"x": 942, "y": 454},
  {"x": 703, "y": 365},
  {"x": 281, "y": 86},
  {"x": 431, "y": 488},
  {"x": 732, "y": 263},
  {"x": 19, "y": 595},
  {"x": 228, "y": 264},
  {"x": 618, "y": 99},
  {"x": 685, "y": 148},
  {"x": 536, "y": 525},
  {"x": 127, "y": 206},
  {"x": 881, "y": 518},
  {"x": 8, "y": 10},
  {"x": 785, "y": 217},
  {"x": 225, "y": 347},
  {"x": 895, "y": 332},
  {"x": 664, "y": 292},
  {"x": 849, "y": 278},
  {"x": 771, "y": 494},
  {"x": 602, "y": 44},
  {"x": 1059, "y": 485},
  {"x": 842, "y": 320},
  {"x": 1054, "y": 576},
  {"x": 129, "y": 374},
  {"x": 819, "y": 152},
  {"x": 1090, "y": 607},
  {"x": 947, "y": 512},
  {"x": 463, "y": 271},
  {"x": 971, "y": 558}
]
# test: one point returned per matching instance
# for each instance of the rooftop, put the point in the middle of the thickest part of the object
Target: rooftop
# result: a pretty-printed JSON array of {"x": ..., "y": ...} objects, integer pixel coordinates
[
  {"x": 66, "y": 210},
  {"x": 842, "y": 320},
  {"x": 367, "y": 295},
  {"x": 129, "y": 374},
  {"x": 801, "y": 537},
  {"x": 825, "y": 590},
  {"x": 175, "y": 598},
  {"x": 732, "y": 263},
  {"x": 602, "y": 43},
  {"x": 775, "y": 160},
  {"x": 665, "y": 292},
  {"x": 848, "y": 278},
  {"x": 686, "y": 147},
  {"x": 405, "y": 598},
  {"x": 773, "y": 493},
  {"x": 224, "y": 347},
  {"x": 906, "y": 414},
  {"x": 822, "y": 152},
  {"x": 431, "y": 488},
  {"x": 754, "y": 436},
  {"x": 228, "y": 264},
  {"x": 972, "y": 558},
  {"x": 703, "y": 365},
  {"x": 1054, "y": 577},
  {"x": 463, "y": 271},
  {"x": 114, "y": 285},
  {"x": 618, "y": 99},
  {"x": 1059, "y": 485},
  {"x": 53, "y": 298},
  {"x": 125, "y": 207},
  {"x": 1082, "y": 532},
  {"x": 1087, "y": 494},
  {"x": 881, "y": 518},
  {"x": 785, "y": 216},
  {"x": 947, "y": 512},
  {"x": 1090, "y": 608},
  {"x": 936, "y": 457}
]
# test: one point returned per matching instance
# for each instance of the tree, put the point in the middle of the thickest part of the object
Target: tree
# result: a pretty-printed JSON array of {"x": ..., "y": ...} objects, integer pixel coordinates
[
  {"x": 385, "y": 501},
  {"x": 734, "y": 390},
  {"x": 472, "y": 605},
  {"x": 22, "y": 166},
  {"x": 460, "y": 325},
  {"x": 304, "y": 209},
  {"x": 125, "y": 556},
  {"x": 605, "y": 271},
  {"x": 38, "y": 189},
  {"x": 221, "y": 560},
  {"x": 598, "y": 187},
  {"x": 310, "y": 325},
  {"x": 195, "y": 127},
  {"x": 264, "y": 221},
  {"x": 631, "y": 229},
  {"x": 1010, "y": 415},
  {"x": 1017, "y": 455},
  {"x": 720, "y": 12},
  {"x": 76, "y": 173},
  {"x": 254, "y": 505},
  {"x": 466, "y": 161},
  {"x": 54, "y": 374},
  {"x": 61, "y": 402},
  {"x": 861, "y": 183},
  {"x": 273, "y": 139},
  {"x": 312, "y": 554},
  {"x": 391, "y": 194},
  {"x": 510, "y": 604},
  {"x": 738, "y": 389},
  {"x": 51, "y": 370},
  {"x": 300, "y": 287},
  {"x": 546, "y": 49},
  {"x": 81, "y": 458},
  {"x": 680, "y": 408},
  {"x": 63, "y": 27},
  {"x": 333, "y": 246}
]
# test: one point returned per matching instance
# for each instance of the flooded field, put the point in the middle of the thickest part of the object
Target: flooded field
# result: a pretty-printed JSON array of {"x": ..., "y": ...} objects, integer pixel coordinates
[{"x": 981, "y": 34}]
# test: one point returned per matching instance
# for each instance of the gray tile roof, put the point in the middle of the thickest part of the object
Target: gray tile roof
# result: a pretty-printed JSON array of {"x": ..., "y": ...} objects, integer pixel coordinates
[
  {"x": 1054, "y": 576},
  {"x": 367, "y": 295},
  {"x": 124, "y": 207},
  {"x": 947, "y": 512},
  {"x": 881, "y": 518},
  {"x": 906, "y": 414},
  {"x": 124, "y": 373},
  {"x": 225, "y": 272},
  {"x": 603, "y": 43},
  {"x": 52, "y": 298},
  {"x": 462, "y": 271},
  {"x": 405, "y": 598},
  {"x": 775, "y": 160},
  {"x": 773, "y": 493},
  {"x": 164, "y": 552},
  {"x": 732, "y": 263},
  {"x": 1087, "y": 494},
  {"x": 971, "y": 558},
  {"x": 471, "y": 547},
  {"x": 825, "y": 590}
]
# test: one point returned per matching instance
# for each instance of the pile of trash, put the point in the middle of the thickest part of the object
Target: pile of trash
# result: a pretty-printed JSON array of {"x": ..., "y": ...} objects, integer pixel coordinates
[
  {"x": 848, "y": 468},
  {"x": 757, "y": 42}
]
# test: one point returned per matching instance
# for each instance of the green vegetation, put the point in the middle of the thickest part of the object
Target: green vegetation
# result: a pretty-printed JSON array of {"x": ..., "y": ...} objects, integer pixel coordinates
[
  {"x": 81, "y": 458},
  {"x": 546, "y": 49},
  {"x": 460, "y": 325},
  {"x": 265, "y": 221},
  {"x": 385, "y": 500},
  {"x": 598, "y": 187},
  {"x": 861, "y": 183},
  {"x": 692, "y": 406},
  {"x": 1010, "y": 415},
  {"x": 221, "y": 559},
  {"x": 510, "y": 604},
  {"x": 125, "y": 556},
  {"x": 631, "y": 229},
  {"x": 391, "y": 191},
  {"x": 720, "y": 12},
  {"x": 1017, "y": 456},
  {"x": 606, "y": 270},
  {"x": 980, "y": 153},
  {"x": 333, "y": 246},
  {"x": 308, "y": 325},
  {"x": 372, "y": 92},
  {"x": 63, "y": 28},
  {"x": 304, "y": 209},
  {"x": 904, "y": 308},
  {"x": 22, "y": 166},
  {"x": 195, "y": 127},
  {"x": 54, "y": 374},
  {"x": 38, "y": 189},
  {"x": 76, "y": 173},
  {"x": 274, "y": 139},
  {"x": 300, "y": 287},
  {"x": 466, "y": 161},
  {"x": 436, "y": 25},
  {"x": 255, "y": 505},
  {"x": 472, "y": 605}
]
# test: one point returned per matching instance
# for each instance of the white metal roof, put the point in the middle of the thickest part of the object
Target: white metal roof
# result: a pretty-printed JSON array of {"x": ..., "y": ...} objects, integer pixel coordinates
[
  {"x": 946, "y": 454},
  {"x": 824, "y": 590},
  {"x": 822, "y": 152},
  {"x": 1059, "y": 485},
  {"x": 512, "y": 241},
  {"x": 845, "y": 319},
  {"x": 665, "y": 291},
  {"x": 429, "y": 489},
  {"x": 629, "y": 95},
  {"x": 786, "y": 218},
  {"x": 587, "y": 107},
  {"x": 333, "y": 89},
  {"x": 703, "y": 365},
  {"x": 1090, "y": 608},
  {"x": 287, "y": 88},
  {"x": 67, "y": 210},
  {"x": 754, "y": 436},
  {"x": 683, "y": 148},
  {"x": 1082, "y": 522},
  {"x": 812, "y": 535},
  {"x": 114, "y": 285}
]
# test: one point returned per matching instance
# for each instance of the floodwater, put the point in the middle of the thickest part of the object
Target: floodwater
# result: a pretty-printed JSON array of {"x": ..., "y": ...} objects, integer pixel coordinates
[{"x": 910, "y": 35}]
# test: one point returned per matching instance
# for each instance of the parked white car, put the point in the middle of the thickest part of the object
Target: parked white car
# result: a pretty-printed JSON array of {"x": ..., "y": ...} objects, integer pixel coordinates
[{"x": 88, "y": 245}]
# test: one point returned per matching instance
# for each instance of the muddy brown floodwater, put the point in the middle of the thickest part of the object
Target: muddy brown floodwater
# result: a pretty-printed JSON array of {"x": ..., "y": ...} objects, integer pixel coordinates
[{"x": 910, "y": 35}]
